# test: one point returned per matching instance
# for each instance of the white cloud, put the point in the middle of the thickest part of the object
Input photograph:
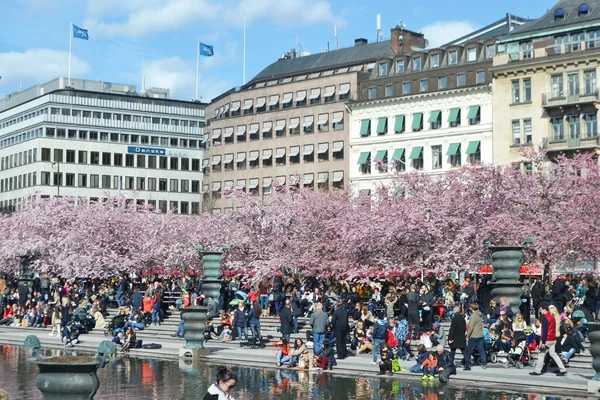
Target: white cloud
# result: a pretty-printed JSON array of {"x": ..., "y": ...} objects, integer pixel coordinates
[
  {"x": 37, "y": 66},
  {"x": 441, "y": 32},
  {"x": 179, "y": 76},
  {"x": 140, "y": 18}
]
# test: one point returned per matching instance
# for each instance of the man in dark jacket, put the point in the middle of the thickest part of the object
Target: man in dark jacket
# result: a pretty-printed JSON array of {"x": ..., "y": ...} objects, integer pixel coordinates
[
  {"x": 23, "y": 294},
  {"x": 445, "y": 364},
  {"x": 339, "y": 325},
  {"x": 537, "y": 293},
  {"x": 456, "y": 335},
  {"x": 413, "y": 304},
  {"x": 287, "y": 321}
]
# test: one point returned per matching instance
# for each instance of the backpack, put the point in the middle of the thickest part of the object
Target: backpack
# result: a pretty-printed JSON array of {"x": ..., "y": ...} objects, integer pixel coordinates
[
  {"x": 152, "y": 346},
  {"x": 391, "y": 340}
]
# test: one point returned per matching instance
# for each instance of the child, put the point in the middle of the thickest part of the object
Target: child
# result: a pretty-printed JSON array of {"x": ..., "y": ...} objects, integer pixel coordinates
[
  {"x": 404, "y": 340},
  {"x": 429, "y": 366},
  {"x": 385, "y": 365},
  {"x": 420, "y": 358}
]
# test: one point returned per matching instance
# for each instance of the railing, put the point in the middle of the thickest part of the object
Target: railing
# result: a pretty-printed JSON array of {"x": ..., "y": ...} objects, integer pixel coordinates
[
  {"x": 558, "y": 99},
  {"x": 554, "y": 144},
  {"x": 548, "y": 51}
]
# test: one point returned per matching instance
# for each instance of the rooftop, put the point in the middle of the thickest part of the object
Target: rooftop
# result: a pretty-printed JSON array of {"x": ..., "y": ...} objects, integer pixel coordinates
[{"x": 494, "y": 30}]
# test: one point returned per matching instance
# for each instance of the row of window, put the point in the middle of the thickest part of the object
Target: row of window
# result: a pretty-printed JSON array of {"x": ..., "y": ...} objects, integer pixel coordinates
[
  {"x": 285, "y": 101},
  {"x": 21, "y": 137},
  {"x": 18, "y": 159},
  {"x": 435, "y": 121},
  {"x": 268, "y": 158},
  {"x": 425, "y": 84},
  {"x": 574, "y": 124},
  {"x": 180, "y": 207},
  {"x": 397, "y": 160},
  {"x": 321, "y": 180},
  {"x": 278, "y": 129},
  {"x": 115, "y": 182},
  {"x": 114, "y": 159}
]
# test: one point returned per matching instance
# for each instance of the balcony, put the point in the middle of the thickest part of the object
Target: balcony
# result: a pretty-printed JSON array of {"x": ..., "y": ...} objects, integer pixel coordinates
[
  {"x": 552, "y": 100},
  {"x": 571, "y": 144},
  {"x": 548, "y": 51}
]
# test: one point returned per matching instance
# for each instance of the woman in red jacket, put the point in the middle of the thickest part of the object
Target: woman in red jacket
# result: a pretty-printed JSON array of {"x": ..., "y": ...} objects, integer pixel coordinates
[{"x": 7, "y": 318}]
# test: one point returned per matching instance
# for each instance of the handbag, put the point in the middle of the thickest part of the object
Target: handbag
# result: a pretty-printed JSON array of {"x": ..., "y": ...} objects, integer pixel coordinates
[{"x": 396, "y": 365}]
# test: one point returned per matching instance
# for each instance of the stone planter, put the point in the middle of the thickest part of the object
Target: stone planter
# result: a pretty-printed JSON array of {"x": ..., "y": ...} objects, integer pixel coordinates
[
  {"x": 194, "y": 325},
  {"x": 506, "y": 261},
  {"x": 67, "y": 378},
  {"x": 594, "y": 336}
]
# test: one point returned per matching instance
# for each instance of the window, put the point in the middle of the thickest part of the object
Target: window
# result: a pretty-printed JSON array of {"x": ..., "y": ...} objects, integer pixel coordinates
[
  {"x": 591, "y": 125},
  {"x": 435, "y": 119},
  {"x": 416, "y": 155},
  {"x": 516, "y": 132},
  {"x": 417, "y": 122},
  {"x": 106, "y": 159},
  {"x": 301, "y": 98},
  {"x": 151, "y": 161},
  {"x": 474, "y": 152},
  {"x": 559, "y": 14},
  {"x": 435, "y": 60},
  {"x": 141, "y": 161},
  {"x": 294, "y": 155},
  {"x": 315, "y": 96},
  {"x": 70, "y": 179},
  {"x": 94, "y": 181},
  {"x": 574, "y": 126},
  {"x": 583, "y": 10},
  {"x": 174, "y": 185},
  {"x": 527, "y": 90},
  {"x": 455, "y": 155},
  {"x": 528, "y": 131},
  {"x": 129, "y": 160},
  {"x": 45, "y": 154},
  {"x": 399, "y": 124},
  {"x": 424, "y": 85},
  {"x": 471, "y": 54},
  {"x": 93, "y": 135},
  {"x": 442, "y": 82},
  {"x": 383, "y": 69},
  {"x": 337, "y": 152},
  {"x": 261, "y": 104},
  {"x": 364, "y": 162},
  {"x": 253, "y": 158},
  {"x": 453, "y": 57},
  {"x": 309, "y": 126},
  {"x": 254, "y": 135},
  {"x": 365, "y": 127},
  {"x": 405, "y": 87},
  {"x": 372, "y": 93},
  {"x": 82, "y": 135},
  {"x": 309, "y": 153},
  {"x": 345, "y": 91},
  {"x": 114, "y": 137},
  {"x": 490, "y": 50},
  {"x": 474, "y": 115},
  {"x": 95, "y": 158},
  {"x": 436, "y": 153},
  {"x": 274, "y": 102},
  {"x": 152, "y": 184},
  {"x": 45, "y": 178},
  {"x": 461, "y": 80},
  {"x": 323, "y": 123},
  {"x": 58, "y": 155},
  {"x": 417, "y": 64},
  {"x": 70, "y": 156},
  {"x": 82, "y": 180},
  {"x": 389, "y": 90},
  {"x": 589, "y": 78},
  {"x": 558, "y": 128},
  {"x": 573, "y": 83},
  {"x": 557, "y": 86},
  {"x": 267, "y": 130},
  {"x": 399, "y": 66},
  {"x": 516, "y": 92},
  {"x": 480, "y": 77},
  {"x": 294, "y": 126},
  {"x": 162, "y": 185}
]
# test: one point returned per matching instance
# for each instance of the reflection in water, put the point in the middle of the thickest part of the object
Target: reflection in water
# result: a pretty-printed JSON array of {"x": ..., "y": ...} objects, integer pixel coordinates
[{"x": 133, "y": 378}]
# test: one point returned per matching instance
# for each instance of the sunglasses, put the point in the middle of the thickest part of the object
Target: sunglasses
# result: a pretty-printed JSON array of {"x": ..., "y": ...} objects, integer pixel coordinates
[{"x": 230, "y": 386}]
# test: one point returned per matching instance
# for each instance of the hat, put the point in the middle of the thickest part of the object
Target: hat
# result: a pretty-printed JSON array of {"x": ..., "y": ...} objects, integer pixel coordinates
[{"x": 436, "y": 325}]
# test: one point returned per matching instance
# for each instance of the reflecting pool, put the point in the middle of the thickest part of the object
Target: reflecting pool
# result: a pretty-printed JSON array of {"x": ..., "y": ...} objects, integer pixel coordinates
[{"x": 137, "y": 378}]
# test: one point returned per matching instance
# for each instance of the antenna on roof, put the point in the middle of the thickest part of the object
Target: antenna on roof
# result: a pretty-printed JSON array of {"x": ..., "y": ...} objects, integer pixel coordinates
[
  {"x": 379, "y": 32},
  {"x": 336, "y": 37}
]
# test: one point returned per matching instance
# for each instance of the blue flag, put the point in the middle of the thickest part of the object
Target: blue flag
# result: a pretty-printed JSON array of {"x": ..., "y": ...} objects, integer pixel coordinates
[
  {"x": 206, "y": 50},
  {"x": 80, "y": 33}
]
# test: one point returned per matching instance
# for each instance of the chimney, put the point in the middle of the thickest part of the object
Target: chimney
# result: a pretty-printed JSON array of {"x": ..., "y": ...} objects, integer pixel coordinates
[
  {"x": 292, "y": 53},
  {"x": 402, "y": 40},
  {"x": 360, "y": 41}
]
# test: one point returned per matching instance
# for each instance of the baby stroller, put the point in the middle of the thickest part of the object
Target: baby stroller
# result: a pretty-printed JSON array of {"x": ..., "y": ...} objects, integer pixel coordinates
[
  {"x": 490, "y": 349},
  {"x": 519, "y": 356},
  {"x": 117, "y": 322}
]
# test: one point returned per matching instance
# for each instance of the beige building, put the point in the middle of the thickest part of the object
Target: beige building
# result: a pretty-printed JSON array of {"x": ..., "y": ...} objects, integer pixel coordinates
[
  {"x": 289, "y": 125},
  {"x": 545, "y": 89}
]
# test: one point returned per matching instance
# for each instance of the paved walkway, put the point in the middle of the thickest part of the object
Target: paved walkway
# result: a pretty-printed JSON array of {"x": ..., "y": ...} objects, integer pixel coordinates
[{"x": 494, "y": 376}]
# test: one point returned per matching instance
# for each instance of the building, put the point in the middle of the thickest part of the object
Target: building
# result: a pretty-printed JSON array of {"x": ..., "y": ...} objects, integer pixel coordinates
[
  {"x": 288, "y": 125},
  {"x": 545, "y": 83},
  {"x": 425, "y": 109},
  {"x": 94, "y": 139}
]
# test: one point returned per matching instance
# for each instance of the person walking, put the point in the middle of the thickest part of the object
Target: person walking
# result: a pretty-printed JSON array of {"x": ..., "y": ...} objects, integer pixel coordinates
[
  {"x": 456, "y": 335},
  {"x": 548, "y": 342},
  {"x": 318, "y": 322},
  {"x": 475, "y": 337},
  {"x": 287, "y": 321},
  {"x": 413, "y": 305},
  {"x": 339, "y": 324}
]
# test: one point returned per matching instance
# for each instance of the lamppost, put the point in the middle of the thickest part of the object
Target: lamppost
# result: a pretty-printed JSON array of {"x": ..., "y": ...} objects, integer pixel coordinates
[{"x": 57, "y": 163}]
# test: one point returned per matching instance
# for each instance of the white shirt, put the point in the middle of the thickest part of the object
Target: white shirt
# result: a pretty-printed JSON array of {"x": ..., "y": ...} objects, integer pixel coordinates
[{"x": 214, "y": 389}]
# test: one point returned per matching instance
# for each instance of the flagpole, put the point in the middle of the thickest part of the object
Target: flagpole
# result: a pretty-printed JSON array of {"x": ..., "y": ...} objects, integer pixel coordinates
[
  {"x": 244, "y": 67},
  {"x": 70, "y": 48},
  {"x": 197, "y": 66}
]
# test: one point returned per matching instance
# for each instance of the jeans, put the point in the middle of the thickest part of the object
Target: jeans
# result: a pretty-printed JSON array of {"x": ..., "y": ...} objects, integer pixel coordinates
[
  {"x": 415, "y": 369},
  {"x": 287, "y": 337},
  {"x": 282, "y": 359},
  {"x": 430, "y": 370},
  {"x": 377, "y": 343},
  {"x": 180, "y": 330},
  {"x": 264, "y": 301},
  {"x": 155, "y": 316},
  {"x": 277, "y": 306},
  {"x": 471, "y": 344},
  {"x": 295, "y": 323},
  {"x": 319, "y": 338},
  {"x": 404, "y": 350},
  {"x": 243, "y": 330},
  {"x": 255, "y": 328},
  {"x": 120, "y": 297},
  {"x": 569, "y": 354},
  {"x": 130, "y": 324}
]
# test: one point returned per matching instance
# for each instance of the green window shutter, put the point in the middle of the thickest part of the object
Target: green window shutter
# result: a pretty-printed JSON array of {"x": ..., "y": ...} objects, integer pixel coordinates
[
  {"x": 473, "y": 111},
  {"x": 363, "y": 157},
  {"x": 382, "y": 126},
  {"x": 473, "y": 147},
  {"x": 453, "y": 117},
  {"x": 398, "y": 153},
  {"x": 416, "y": 152},
  {"x": 417, "y": 122},
  {"x": 453, "y": 149},
  {"x": 399, "y": 124},
  {"x": 434, "y": 116},
  {"x": 380, "y": 155},
  {"x": 365, "y": 127}
]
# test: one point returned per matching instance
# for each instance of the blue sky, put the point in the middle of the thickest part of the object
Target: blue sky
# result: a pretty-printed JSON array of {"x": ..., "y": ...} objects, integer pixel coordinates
[{"x": 157, "y": 38}]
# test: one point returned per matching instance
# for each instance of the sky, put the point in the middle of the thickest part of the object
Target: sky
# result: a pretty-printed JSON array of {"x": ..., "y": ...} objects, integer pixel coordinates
[{"x": 157, "y": 39}]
